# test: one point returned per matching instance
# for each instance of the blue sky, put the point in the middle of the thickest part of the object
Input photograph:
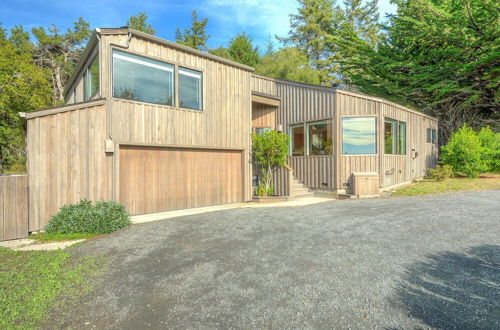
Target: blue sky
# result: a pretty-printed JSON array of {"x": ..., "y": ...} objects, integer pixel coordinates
[{"x": 258, "y": 18}]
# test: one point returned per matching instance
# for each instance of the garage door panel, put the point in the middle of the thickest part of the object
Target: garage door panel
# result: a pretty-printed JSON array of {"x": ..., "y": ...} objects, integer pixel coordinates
[{"x": 161, "y": 179}]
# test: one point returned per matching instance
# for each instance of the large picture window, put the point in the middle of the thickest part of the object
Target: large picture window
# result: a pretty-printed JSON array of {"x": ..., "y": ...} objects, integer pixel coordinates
[
  {"x": 297, "y": 140},
  {"x": 142, "y": 79},
  {"x": 319, "y": 138},
  {"x": 359, "y": 136},
  {"x": 394, "y": 137},
  {"x": 91, "y": 79},
  {"x": 190, "y": 89}
]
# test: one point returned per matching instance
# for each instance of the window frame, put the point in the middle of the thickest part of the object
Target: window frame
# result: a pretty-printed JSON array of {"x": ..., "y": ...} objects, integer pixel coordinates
[
  {"x": 433, "y": 136},
  {"x": 307, "y": 138},
  {"x": 85, "y": 75},
  {"x": 174, "y": 78},
  {"x": 396, "y": 144},
  {"x": 178, "y": 69},
  {"x": 290, "y": 134},
  {"x": 376, "y": 142}
]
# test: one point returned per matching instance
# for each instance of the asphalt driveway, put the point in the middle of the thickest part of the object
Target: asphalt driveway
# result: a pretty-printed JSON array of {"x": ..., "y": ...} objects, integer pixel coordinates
[{"x": 412, "y": 262}]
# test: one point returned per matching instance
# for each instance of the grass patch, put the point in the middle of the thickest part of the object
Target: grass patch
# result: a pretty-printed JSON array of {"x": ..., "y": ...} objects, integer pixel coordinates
[
  {"x": 31, "y": 282},
  {"x": 426, "y": 187},
  {"x": 56, "y": 237}
]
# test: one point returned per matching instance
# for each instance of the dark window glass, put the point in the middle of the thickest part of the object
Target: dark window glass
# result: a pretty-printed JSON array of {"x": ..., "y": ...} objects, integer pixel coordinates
[
  {"x": 190, "y": 89},
  {"x": 320, "y": 138},
  {"x": 142, "y": 79},
  {"x": 297, "y": 140},
  {"x": 359, "y": 136},
  {"x": 390, "y": 139},
  {"x": 91, "y": 80}
]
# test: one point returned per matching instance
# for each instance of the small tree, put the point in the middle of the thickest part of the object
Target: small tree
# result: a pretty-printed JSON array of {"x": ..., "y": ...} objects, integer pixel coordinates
[
  {"x": 269, "y": 152},
  {"x": 140, "y": 23}
]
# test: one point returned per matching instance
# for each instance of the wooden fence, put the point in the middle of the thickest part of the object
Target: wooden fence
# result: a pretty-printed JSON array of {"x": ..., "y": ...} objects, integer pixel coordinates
[{"x": 13, "y": 207}]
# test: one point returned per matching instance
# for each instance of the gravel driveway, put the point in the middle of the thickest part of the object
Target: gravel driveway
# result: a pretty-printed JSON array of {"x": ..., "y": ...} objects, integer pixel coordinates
[{"x": 411, "y": 262}]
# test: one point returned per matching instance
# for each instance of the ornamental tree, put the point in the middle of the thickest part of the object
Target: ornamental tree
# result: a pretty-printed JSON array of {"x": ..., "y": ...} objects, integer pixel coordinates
[{"x": 269, "y": 152}]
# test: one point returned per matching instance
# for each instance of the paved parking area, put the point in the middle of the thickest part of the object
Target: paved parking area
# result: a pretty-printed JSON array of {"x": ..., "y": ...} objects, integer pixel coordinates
[{"x": 395, "y": 263}]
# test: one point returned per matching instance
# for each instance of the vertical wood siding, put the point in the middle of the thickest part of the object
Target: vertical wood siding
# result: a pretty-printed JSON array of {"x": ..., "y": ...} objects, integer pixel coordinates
[
  {"x": 302, "y": 103},
  {"x": 263, "y": 115},
  {"x": 66, "y": 161},
  {"x": 13, "y": 207},
  {"x": 224, "y": 122}
]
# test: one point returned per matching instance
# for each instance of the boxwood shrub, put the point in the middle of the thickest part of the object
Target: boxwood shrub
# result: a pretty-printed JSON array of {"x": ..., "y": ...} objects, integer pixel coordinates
[{"x": 84, "y": 217}]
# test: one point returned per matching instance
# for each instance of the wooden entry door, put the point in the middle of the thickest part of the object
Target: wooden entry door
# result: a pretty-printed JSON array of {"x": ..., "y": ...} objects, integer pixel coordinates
[{"x": 154, "y": 179}]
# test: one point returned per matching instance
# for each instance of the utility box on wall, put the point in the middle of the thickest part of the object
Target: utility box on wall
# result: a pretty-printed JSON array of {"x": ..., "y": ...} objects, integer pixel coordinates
[{"x": 365, "y": 183}]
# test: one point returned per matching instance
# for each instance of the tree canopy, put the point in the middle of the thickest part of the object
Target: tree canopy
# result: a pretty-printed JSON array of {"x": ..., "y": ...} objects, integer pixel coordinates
[
  {"x": 289, "y": 64},
  {"x": 140, "y": 23},
  {"x": 196, "y": 36},
  {"x": 24, "y": 87}
]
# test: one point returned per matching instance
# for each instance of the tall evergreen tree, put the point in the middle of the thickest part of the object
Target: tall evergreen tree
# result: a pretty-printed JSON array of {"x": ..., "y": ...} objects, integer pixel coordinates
[
  {"x": 320, "y": 26},
  {"x": 140, "y": 23},
  {"x": 59, "y": 52},
  {"x": 21, "y": 39},
  {"x": 441, "y": 57},
  {"x": 3, "y": 33},
  {"x": 196, "y": 36},
  {"x": 242, "y": 50}
]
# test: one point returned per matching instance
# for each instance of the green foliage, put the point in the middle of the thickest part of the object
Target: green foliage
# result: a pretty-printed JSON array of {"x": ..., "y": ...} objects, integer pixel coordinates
[
  {"x": 21, "y": 39},
  {"x": 195, "y": 37},
  {"x": 490, "y": 141},
  {"x": 3, "y": 33},
  {"x": 221, "y": 51},
  {"x": 242, "y": 50},
  {"x": 289, "y": 64},
  {"x": 438, "y": 56},
  {"x": 59, "y": 52},
  {"x": 103, "y": 217},
  {"x": 320, "y": 27},
  {"x": 23, "y": 87},
  {"x": 262, "y": 190},
  {"x": 269, "y": 152},
  {"x": 140, "y": 23},
  {"x": 464, "y": 153},
  {"x": 440, "y": 173},
  {"x": 32, "y": 282}
]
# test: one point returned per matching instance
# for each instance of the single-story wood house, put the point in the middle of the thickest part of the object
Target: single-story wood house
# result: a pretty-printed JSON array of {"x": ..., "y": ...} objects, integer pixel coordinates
[{"x": 159, "y": 126}]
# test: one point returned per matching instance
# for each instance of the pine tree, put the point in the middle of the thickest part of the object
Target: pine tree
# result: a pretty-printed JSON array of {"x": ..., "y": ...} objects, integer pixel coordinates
[
  {"x": 140, "y": 23},
  {"x": 242, "y": 50},
  {"x": 194, "y": 37}
]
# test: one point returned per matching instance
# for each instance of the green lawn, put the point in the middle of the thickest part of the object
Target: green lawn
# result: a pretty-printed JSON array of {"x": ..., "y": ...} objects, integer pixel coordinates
[
  {"x": 425, "y": 187},
  {"x": 31, "y": 282}
]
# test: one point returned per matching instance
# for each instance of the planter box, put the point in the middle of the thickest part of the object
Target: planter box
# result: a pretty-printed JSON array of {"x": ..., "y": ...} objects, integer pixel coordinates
[
  {"x": 366, "y": 184},
  {"x": 269, "y": 199}
]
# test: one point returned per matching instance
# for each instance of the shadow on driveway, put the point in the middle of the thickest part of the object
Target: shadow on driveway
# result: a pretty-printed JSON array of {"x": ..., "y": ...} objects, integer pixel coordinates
[{"x": 455, "y": 290}]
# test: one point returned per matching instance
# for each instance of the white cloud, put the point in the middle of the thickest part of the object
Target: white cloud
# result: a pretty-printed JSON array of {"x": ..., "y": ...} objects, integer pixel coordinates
[{"x": 259, "y": 18}]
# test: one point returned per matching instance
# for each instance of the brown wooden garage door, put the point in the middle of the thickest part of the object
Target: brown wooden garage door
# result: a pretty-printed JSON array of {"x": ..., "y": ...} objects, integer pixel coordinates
[{"x": 161, "y": 179}]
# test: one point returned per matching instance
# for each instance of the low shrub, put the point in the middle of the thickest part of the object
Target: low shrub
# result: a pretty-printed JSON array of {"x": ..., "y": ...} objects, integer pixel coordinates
[
  {"x": 103, "y": 217},
  {"x": 440, "y": 173},
  {"x": 464, "y": 153}
]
